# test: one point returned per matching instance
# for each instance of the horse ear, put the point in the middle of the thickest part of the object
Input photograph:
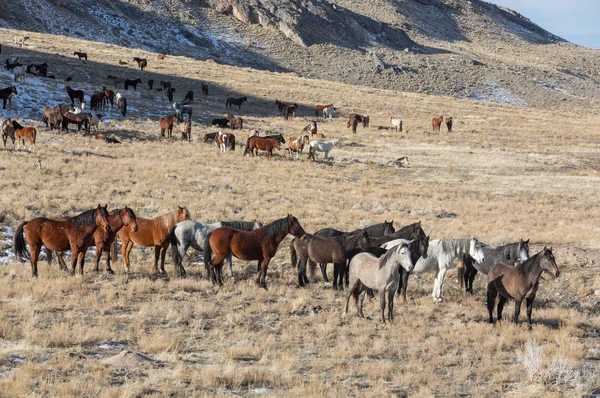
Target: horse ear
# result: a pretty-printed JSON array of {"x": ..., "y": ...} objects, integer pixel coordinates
[
  {"x": 106, "y": 205},
  {"x": 125, "y": 207},
  {"x": 527, "y": 241},
  {"x": 99, "y": 205},
  {"x": 179, "y": 207},
  {"x": 545, "y": 249}
]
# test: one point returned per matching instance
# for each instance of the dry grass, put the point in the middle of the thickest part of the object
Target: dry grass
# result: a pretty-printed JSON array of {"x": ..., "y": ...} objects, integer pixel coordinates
[{"x": 505, "y": 172}]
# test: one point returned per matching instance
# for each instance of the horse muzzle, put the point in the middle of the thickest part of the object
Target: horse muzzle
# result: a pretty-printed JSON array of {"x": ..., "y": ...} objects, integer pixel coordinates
[
  {"x": 412, "y": 267},
  {"x": 557, "y": 274}
]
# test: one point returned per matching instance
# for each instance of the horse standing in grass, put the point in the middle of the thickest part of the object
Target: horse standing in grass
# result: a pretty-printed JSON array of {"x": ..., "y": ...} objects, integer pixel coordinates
[
  {"x": 132, "y": 82},
  {"x": 235, "y": 101},
  {"x": 396, "y": 123},
  {"x": 204, "y": 88},
  {"x": 186, "y": 130},
  {"x": 436, "y": 122},
  {"x": 141, "y": 62},
  {"x": 22, "y": 133},
  {"x": 8, "y": 131},
  {"x": 235, "y": 121},
  {"x": 297, "y": 144},
  {"x": 320, "y": 146},
  {"x": 6, "y": 95},
  {"x": 519, "y": 283},
  {"x": 321, "y": 108},
  {"x": 260, "y": 244},
  {"x": 378, "y": 273},
  {"x": 152, "y": 232},
  {"x": 75, "y": 95},
  {"x": 122, "y": 104},
  {"x": 264, "y": 144},
  {"x": 70, "y": 234},
  {"x": 80, "y": 55},
  {"x": 166, "y": 125},
  {"x": 449, "y": 124}
]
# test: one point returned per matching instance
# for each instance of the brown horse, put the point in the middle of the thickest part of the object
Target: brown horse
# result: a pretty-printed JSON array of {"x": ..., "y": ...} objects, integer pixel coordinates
[
  {"x": 75, "y": 95},
  {"x": 55, "y": 235},
  {"x": 449, "y": 124},
  {"x": 225, "y": 141},
  {"x": 297, "y": 144},
  {"x": 80, "y": 55},
  {"x": 6, "y": 95},
  {"x": 290, "y": 110},
  {"x": 103, "y": 239},
  {"x": 319, "y": 108},
  {"x": 152, "y": 232},
  {"x": 109, "y": 97},
  {"x": 166, "y": 124},
  {"x": 436, "y": 122},
  {"x": 116, "y": 80},
  {"x": 52, "y": 117},
  {"x": 364, "y": 119},
  {"x": 8, "y": 131},
  {"x": 79, "y": 119},
  {"x": 260, "y": 244},
  {"x": 22, "y": 133},
  {"x": 204, "y": 89},
  {"x": 161, "y": 56},
  {"x": 264, "y": 144},
  {"x": 235, "y": 101},
  {"x": 141, "y": 62},
  {"x": 519, "y": 282},
  {"x": 97, "y": 101},
  {"x": 235, "y": 121}
]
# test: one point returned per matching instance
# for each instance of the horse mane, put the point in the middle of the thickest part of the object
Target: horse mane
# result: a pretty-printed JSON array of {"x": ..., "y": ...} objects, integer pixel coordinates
[
  {"x": 16, "y": 125},
  {"x": 450, "y": 245},
  {"x": 239, "y": 225},
  {"x": 273, "y": 229},
  {"x": 384, "y": 259},
  {"x": 524, "y": 267},
  {"x": 87, "y": 218}
]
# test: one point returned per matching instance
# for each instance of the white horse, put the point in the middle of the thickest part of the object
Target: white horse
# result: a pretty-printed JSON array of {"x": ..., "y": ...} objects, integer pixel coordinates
[
  {"x": 19, "y": 73},
  {"x": 396, "y": 123},
  {"x": 369, "y": 272},
  {"x": 441, "y": 254},
  {"x": 322, "y": 146},
  {"x": 329, "y": 113}
]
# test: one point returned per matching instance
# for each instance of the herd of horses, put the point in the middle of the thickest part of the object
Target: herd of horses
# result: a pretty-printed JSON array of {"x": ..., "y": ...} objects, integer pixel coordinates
[{"x": 376, "y": 258}]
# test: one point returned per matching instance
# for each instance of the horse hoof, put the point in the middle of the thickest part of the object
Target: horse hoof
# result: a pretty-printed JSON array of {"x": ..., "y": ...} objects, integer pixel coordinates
[{"x": 110, "y": 271}]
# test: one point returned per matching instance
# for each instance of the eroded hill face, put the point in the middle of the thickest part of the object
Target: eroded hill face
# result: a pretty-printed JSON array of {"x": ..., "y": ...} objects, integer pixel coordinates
[{"x": 464, "y": 49}]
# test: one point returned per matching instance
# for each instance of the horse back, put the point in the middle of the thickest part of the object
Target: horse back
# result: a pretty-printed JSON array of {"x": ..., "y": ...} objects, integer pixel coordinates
[
  {"x": 54, "y": 234},
  {"x": 148, "y": 234}
]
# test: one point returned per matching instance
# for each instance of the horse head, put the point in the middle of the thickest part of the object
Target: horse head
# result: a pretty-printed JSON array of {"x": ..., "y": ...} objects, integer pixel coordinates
[
  {"x": 294, "y": 226},
  {"x": 423, "y": 244},
  {"x": 183, "y": 214},
  {"x": 475, "y": 250},
  {"x": 523, "y": 250},
  {"x": 548, "y": 262},
  {"x": 102, "y": 218},
  {"x": 128, "y": 219},
  {"x": 404, "y": 256}
]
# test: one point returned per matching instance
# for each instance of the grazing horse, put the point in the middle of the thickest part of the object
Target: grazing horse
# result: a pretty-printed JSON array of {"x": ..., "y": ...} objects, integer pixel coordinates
[
  {"x": 321, "y": 108},
  {"x": 449, "y": 124},
  {"x": 263, "y": 144},
  {"x": 225, "y": 141},
  {"x": 152, "y": 232},
  {"x": 70, "y": 234},
  {"x": 235, "y": 101},
  {"x": 77, "y": 119},
  {"x": 209, "y": 136},
  {"x": 320, "y": 146},
  {"x": 436, "y": 122},
  {"x": 166, "y": 124},
  {"x": 102, "y": 239},
  {"x": 204, "y": 89},
  {"x": 132, "y": 82},
  {"x": 519, "y": 283},
  {"x": 378, "y": 273},
  {"x": 186, "y": 130},
  {"x": 161, "y": 56},
  {"x": 38, "y": 69},
  {"x": 141, "y": 62},
  {"x": 20, "y": 40},
  {"x": 122, "y": 104},
  {"x": 221, "y": 122},
  {"x": 8, "y": 131},
  {"x": 364, "y": 119},
  {"x": 396, "y": 123},
  {"x": 507, "y": 254},
  {"x": 196, "y": 234},
  {"x": 260, "y": 244},
  {"x": 80, "y": 55},
  {"x": 334, "y": 250},
  {"x": 329, "y": 113},
  {"x": 189, "y": 98},
  {"x": 22, "y": 133},
  {"x": 235, "y": 121},
  {"x": 297, "y": 144},
  {"x": 52, "y": 116},
  {"x": 6, "y": 93},
  {"x": 75, "y": 95}
]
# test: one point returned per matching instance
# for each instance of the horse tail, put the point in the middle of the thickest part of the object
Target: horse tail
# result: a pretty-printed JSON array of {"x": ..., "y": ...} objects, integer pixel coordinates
[
  {"x": 124, "y": 106},
  {"x": 207, "y": 252},
  {"x": 460, "y": 266},
  {"x": 247, "y": 146},
  {"x": 233, "y": 143},
  {"x": 19, "y": 244},
  {"x": 48, "y": 253},
  {"x": 34, "y": 135},
  {"x": 293, "y": 254},
  {"x": 175, "y": 248}
]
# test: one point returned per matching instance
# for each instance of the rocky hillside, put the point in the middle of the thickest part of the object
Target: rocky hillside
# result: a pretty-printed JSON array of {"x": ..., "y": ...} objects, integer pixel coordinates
[{"x": 462, "y": 48}]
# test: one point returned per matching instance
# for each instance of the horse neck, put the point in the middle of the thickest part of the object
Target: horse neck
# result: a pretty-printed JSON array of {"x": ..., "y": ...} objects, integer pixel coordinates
[
  {"x": 280, "y": 236},
  {"x": 115, "y": 221},
  {"x": 535, "y": 270},
  {"x": 167, "y": 221}
]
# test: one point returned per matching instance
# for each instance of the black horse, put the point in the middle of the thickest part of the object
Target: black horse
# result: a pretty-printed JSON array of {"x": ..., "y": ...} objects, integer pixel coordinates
[
  {"x": 221, "y": 122},
  {"x": 5, "y": 94},
  {"x": 235, "y": 101},
  {"x": 132, "y": 82}
]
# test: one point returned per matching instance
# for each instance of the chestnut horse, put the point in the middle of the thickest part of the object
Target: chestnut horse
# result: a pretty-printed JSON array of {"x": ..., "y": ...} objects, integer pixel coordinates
[
  {"x": 152, "y": 232},
  {"x": 22, "y": 133},
  {"x": 260, "y": 244},
  {"x": 75, "y": 95},
  {"x": 319, "y": 108},
  {"x": 6, "y": 95},
  {"x": 436, "y": 122},
  {"x": 166, "y": 124},
  {"x": 264, "y": 144},
  {"x": 102, "y": 239},
  {"x": 58, "y": 235},
  {"x": 449, "y": 124}
]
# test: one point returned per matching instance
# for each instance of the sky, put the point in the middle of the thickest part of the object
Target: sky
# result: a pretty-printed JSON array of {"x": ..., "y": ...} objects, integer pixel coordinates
[{"x": 573, "y": 20}]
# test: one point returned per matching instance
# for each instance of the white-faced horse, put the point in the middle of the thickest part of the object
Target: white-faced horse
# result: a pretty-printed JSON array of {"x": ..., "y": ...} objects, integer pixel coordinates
[
  {"x": 378, "y": 273},
  {"x": 320, "y": 146},
  {"x": 396, "y": 123},
  {"x": 440, "y": 256}
]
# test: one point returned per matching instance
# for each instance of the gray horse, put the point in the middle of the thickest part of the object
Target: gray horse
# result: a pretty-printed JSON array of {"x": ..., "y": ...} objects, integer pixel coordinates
[
  {"x": 196, "y": 234},
  {"x": 180, "y": 109},
  {"x": 507, "y": 254}
]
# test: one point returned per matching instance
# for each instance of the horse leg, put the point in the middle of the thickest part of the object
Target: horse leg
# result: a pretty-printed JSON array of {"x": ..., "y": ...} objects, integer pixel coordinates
[
  {"x": 263, "y": 273},
  {"x": 61, "y": 261},
  {"x": 81, "y": 261},
  {"x": 336, "y": 271},
  {"x": 125, "y": 250},
  {"x": 517, "y": 310},
  {"x": 156, "y": 257},
  {"x": 302, "y": 279},
  {"x": 391, "y": 305},
  {"x": 491, "y": 300},
  {"x": 108, "y": 268},
  {"x": 323, "y": 267},
  {"x": 405, "y": 276},
  {"x": 471, "y": 279},
  {"x": 501, "y": 301},
  {"x": 529, "y": 302},
  {"x": 99, "y": 249},
  {"x": 229, "y": 268},
  {"x": 35, "y": 255},
  {"x": 163, "y": 252},
  {"x": 382, "y": 304},
  {"x": 361, "y": 300},
  {"x": 73, "y": 260}
]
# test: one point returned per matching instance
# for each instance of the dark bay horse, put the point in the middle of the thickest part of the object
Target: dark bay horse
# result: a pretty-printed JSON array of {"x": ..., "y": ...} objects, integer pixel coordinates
[
  {"x": 103, "y": 240},
  {"x": 6, "y": 93},
  {"x": 80, "y": 55},
  {"x": 132, "y": 82},
  {"x": 141, "y": 62},
  {"x": 260, "y": 244},
  {"x": 235, "y": 101},
  {"x": 75, "y": 95},
  {"x": 334, "y": 250},
  {"x": 449, "y": 123},
  {"x": 519, "y": 283},
  {"x": 152, "y": 232},
  {"x": 70, "y": 234},
  {"x": 264, "y": 144},
  {"x": 204, "y": 87}
]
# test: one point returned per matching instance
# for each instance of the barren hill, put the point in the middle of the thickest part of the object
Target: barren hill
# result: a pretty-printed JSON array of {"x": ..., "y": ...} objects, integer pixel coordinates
[{"x": 465, "y": 49}]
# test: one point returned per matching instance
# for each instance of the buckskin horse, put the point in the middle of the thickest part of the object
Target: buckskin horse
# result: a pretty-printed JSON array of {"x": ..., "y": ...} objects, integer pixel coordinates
[
  {"x": 6, "y": 93},
  {"x": 152, "y": 232},
  {"x": 55, "y": 235},
  {"x": 235, "y": 101},
  {"x": 260, "y": 244}
]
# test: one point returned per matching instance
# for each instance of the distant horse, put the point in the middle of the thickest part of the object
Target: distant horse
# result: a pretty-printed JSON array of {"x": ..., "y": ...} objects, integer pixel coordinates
[
  {"x": 122, "y": 104},
  {"x": 204, "y": 89},
  {"x": 506, "y": 254},
  {"x": 235, "y": 101},
  {"x": 297, "y": 144},
  {"x": 75, "y": 95},
  {"x": 165, "y": 84},
  {"x": 11, "y": 65},
  {"x": 121, "y": 62},
  {"x": 235, "y": 122},
  {"x": 196, "y": 234},
  {"x": 95, "y": 121},
  {"x": 334, "y": 250},
  {"x": 436, "y": 122},
  {"x": 180, "y": 109},
  {"x": 311, "y": 129},
  {"x": 116, "y": 80},
  {"x": 38, "y": 69},
  {"x": 290, "y": 110},
  {"x": 321, "y": 108},
  {"x": 56, "y": 235},
  {"x": 378, "y": 273},
  {"x": 103, "y": 240},
  {"x": 259, "y": 143},
  {"x": 52, "y": 117},
  {"x": 141, "y": 62},
  {"x": 132, "y": 82},
  {"x": 80, "y": 55},
  {"x": 396, "y": 124},
  {"x": 189, "y": 98},
  {"x": 150, "y": 84},
  {"x": 76, "y": 119},
  {"x": 8, "y": 131},
  {"x": 320, "y": 146},
  {"x": 6, "y": 93},
  {"x": 329, "y": 113},
  {"x": 221, "y": 122},
  {"x": 20, "y": 40},
  {"x": 109, "y": 97},
  {"x": 449, "y": 124},
  {"x": 166, "y": 124},
  {"x": 170, "y": 92},
  {"x": 161, "y": 56},
  {"x": 186, "y": 130},
  {"x": 19, "y": 73},
  {"x": 260, "y": 244},
  {"x": 152, "y": 232},
  {"x": 97, "y": 101},
  {"x": 519, "y": 283},
  {"x": 281, "y": 106},
  {"x": 225, "y": 141},
  {"x": 364, "y": 119},
  {"x": 22, "y": 133}
]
